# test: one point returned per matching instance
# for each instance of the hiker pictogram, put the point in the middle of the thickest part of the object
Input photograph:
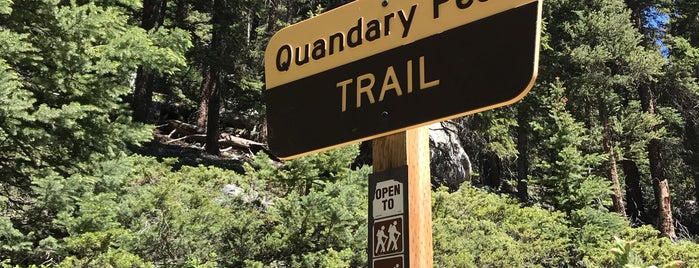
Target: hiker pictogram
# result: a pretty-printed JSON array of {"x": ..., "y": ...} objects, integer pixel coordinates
[
  {"x": 393, "y": 235},
  {"x": 381, "y": 239},
  {"x": 388, "y": 236}
]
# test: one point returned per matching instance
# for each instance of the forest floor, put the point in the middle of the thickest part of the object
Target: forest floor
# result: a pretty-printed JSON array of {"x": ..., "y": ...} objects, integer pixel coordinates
[{"x": 185, "y": 142}]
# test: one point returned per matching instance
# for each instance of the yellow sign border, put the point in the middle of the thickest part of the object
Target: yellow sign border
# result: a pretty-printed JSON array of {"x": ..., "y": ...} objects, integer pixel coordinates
[{"x": 341, "y": 20}]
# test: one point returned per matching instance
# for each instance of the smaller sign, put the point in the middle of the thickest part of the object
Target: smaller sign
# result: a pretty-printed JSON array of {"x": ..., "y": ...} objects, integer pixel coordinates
[
  {"x": 388, "y": 235},
  {"x": 388, "y": 219},
  {"x": 390, "y": 262},
  {"x": 387, "y": 199}
]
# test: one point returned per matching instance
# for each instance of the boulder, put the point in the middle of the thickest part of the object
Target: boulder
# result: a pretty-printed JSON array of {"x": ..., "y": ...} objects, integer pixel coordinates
[{"x": 450, "y": 166}]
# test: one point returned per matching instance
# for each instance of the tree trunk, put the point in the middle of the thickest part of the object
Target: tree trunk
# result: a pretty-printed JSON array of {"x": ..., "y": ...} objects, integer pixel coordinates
[
  {"x": 657, "y": 170},
  {"x": 143, "y": 97},
  {"x": 661, "y": 189},
  {"x": 204, "y": 96},
  {"x": 212, "y": 121},
  {"x": 153, "y": 14},
  {"x": 492, "y": 170},
  {"x": 635, "y": 209},
  {"x": 692, "y": 144},
  {"x": 523, "y": 153},
  {"x": 666, "y": 223},
  {"x": 152, "y": 17},
  {"x": 221, "y": 22},
  {"x": 617, "y": 197},
  {"x": 181, "y": 14},
  {"x": 692, "y": 159},
  {"x": 612, "y": 170}
]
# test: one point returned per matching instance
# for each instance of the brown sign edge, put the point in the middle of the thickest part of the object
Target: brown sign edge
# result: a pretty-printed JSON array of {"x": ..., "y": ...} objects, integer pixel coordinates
[{"x": 524, "y": 92}]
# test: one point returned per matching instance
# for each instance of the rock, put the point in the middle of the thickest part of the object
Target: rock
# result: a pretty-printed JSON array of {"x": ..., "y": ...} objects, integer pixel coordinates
[
  {"x": 246, "y": 196},
  {"x": 450, "y": 166},
  {"x": 230, "y": 189}
]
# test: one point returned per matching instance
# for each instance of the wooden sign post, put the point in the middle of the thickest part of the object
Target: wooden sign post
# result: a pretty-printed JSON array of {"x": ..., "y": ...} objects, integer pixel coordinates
[
  {"x": 384, "y": 71},
  {"x": 406, "y": 149}
]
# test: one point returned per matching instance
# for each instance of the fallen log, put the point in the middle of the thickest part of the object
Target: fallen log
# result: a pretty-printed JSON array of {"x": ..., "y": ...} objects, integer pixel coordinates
[
  {"x": 178, "y": 129},
  {"x": 174, "y": 131}
]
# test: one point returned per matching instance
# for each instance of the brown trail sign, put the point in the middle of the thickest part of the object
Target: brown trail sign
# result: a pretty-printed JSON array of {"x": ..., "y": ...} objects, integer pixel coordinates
[
  {"x": 383, "y": 71},
  {"x": 362, "y": 70}
]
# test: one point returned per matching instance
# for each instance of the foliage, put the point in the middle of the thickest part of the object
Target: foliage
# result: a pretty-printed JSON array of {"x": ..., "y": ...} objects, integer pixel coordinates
[
  {"x": 493, "y": 136},
  {"x": 592, "y": 228},
  {"x": 137, "y": 212},
  {"x": 567, "y": 181},
  {"x": 73, "y": 194},
  {"x": 328, "y": 226},
  {"x": 64, "y": 70},
  {"x": 641, "y": 247},
  {"x": 475, "y": 229},
  {"x": 626, "y": 257}
]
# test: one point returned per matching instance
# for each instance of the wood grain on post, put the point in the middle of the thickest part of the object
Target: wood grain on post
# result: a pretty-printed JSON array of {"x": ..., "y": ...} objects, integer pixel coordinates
[{"x": 411, "y": 148}]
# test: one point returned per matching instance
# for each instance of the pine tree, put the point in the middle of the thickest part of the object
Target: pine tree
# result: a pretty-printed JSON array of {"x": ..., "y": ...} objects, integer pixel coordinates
[
  {"x": 680, "y": 90},
  {"x": 602, "y": 62},
  {"x": 64, "y": 70},
  {"x": 674, "y": 92},
  {"x": 564, "y": 171}
]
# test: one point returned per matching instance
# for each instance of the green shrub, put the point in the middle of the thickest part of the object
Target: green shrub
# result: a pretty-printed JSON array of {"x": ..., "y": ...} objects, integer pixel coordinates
[
  {"x": 472, "y": 228},
  {"x": 643, "y": 247}
]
